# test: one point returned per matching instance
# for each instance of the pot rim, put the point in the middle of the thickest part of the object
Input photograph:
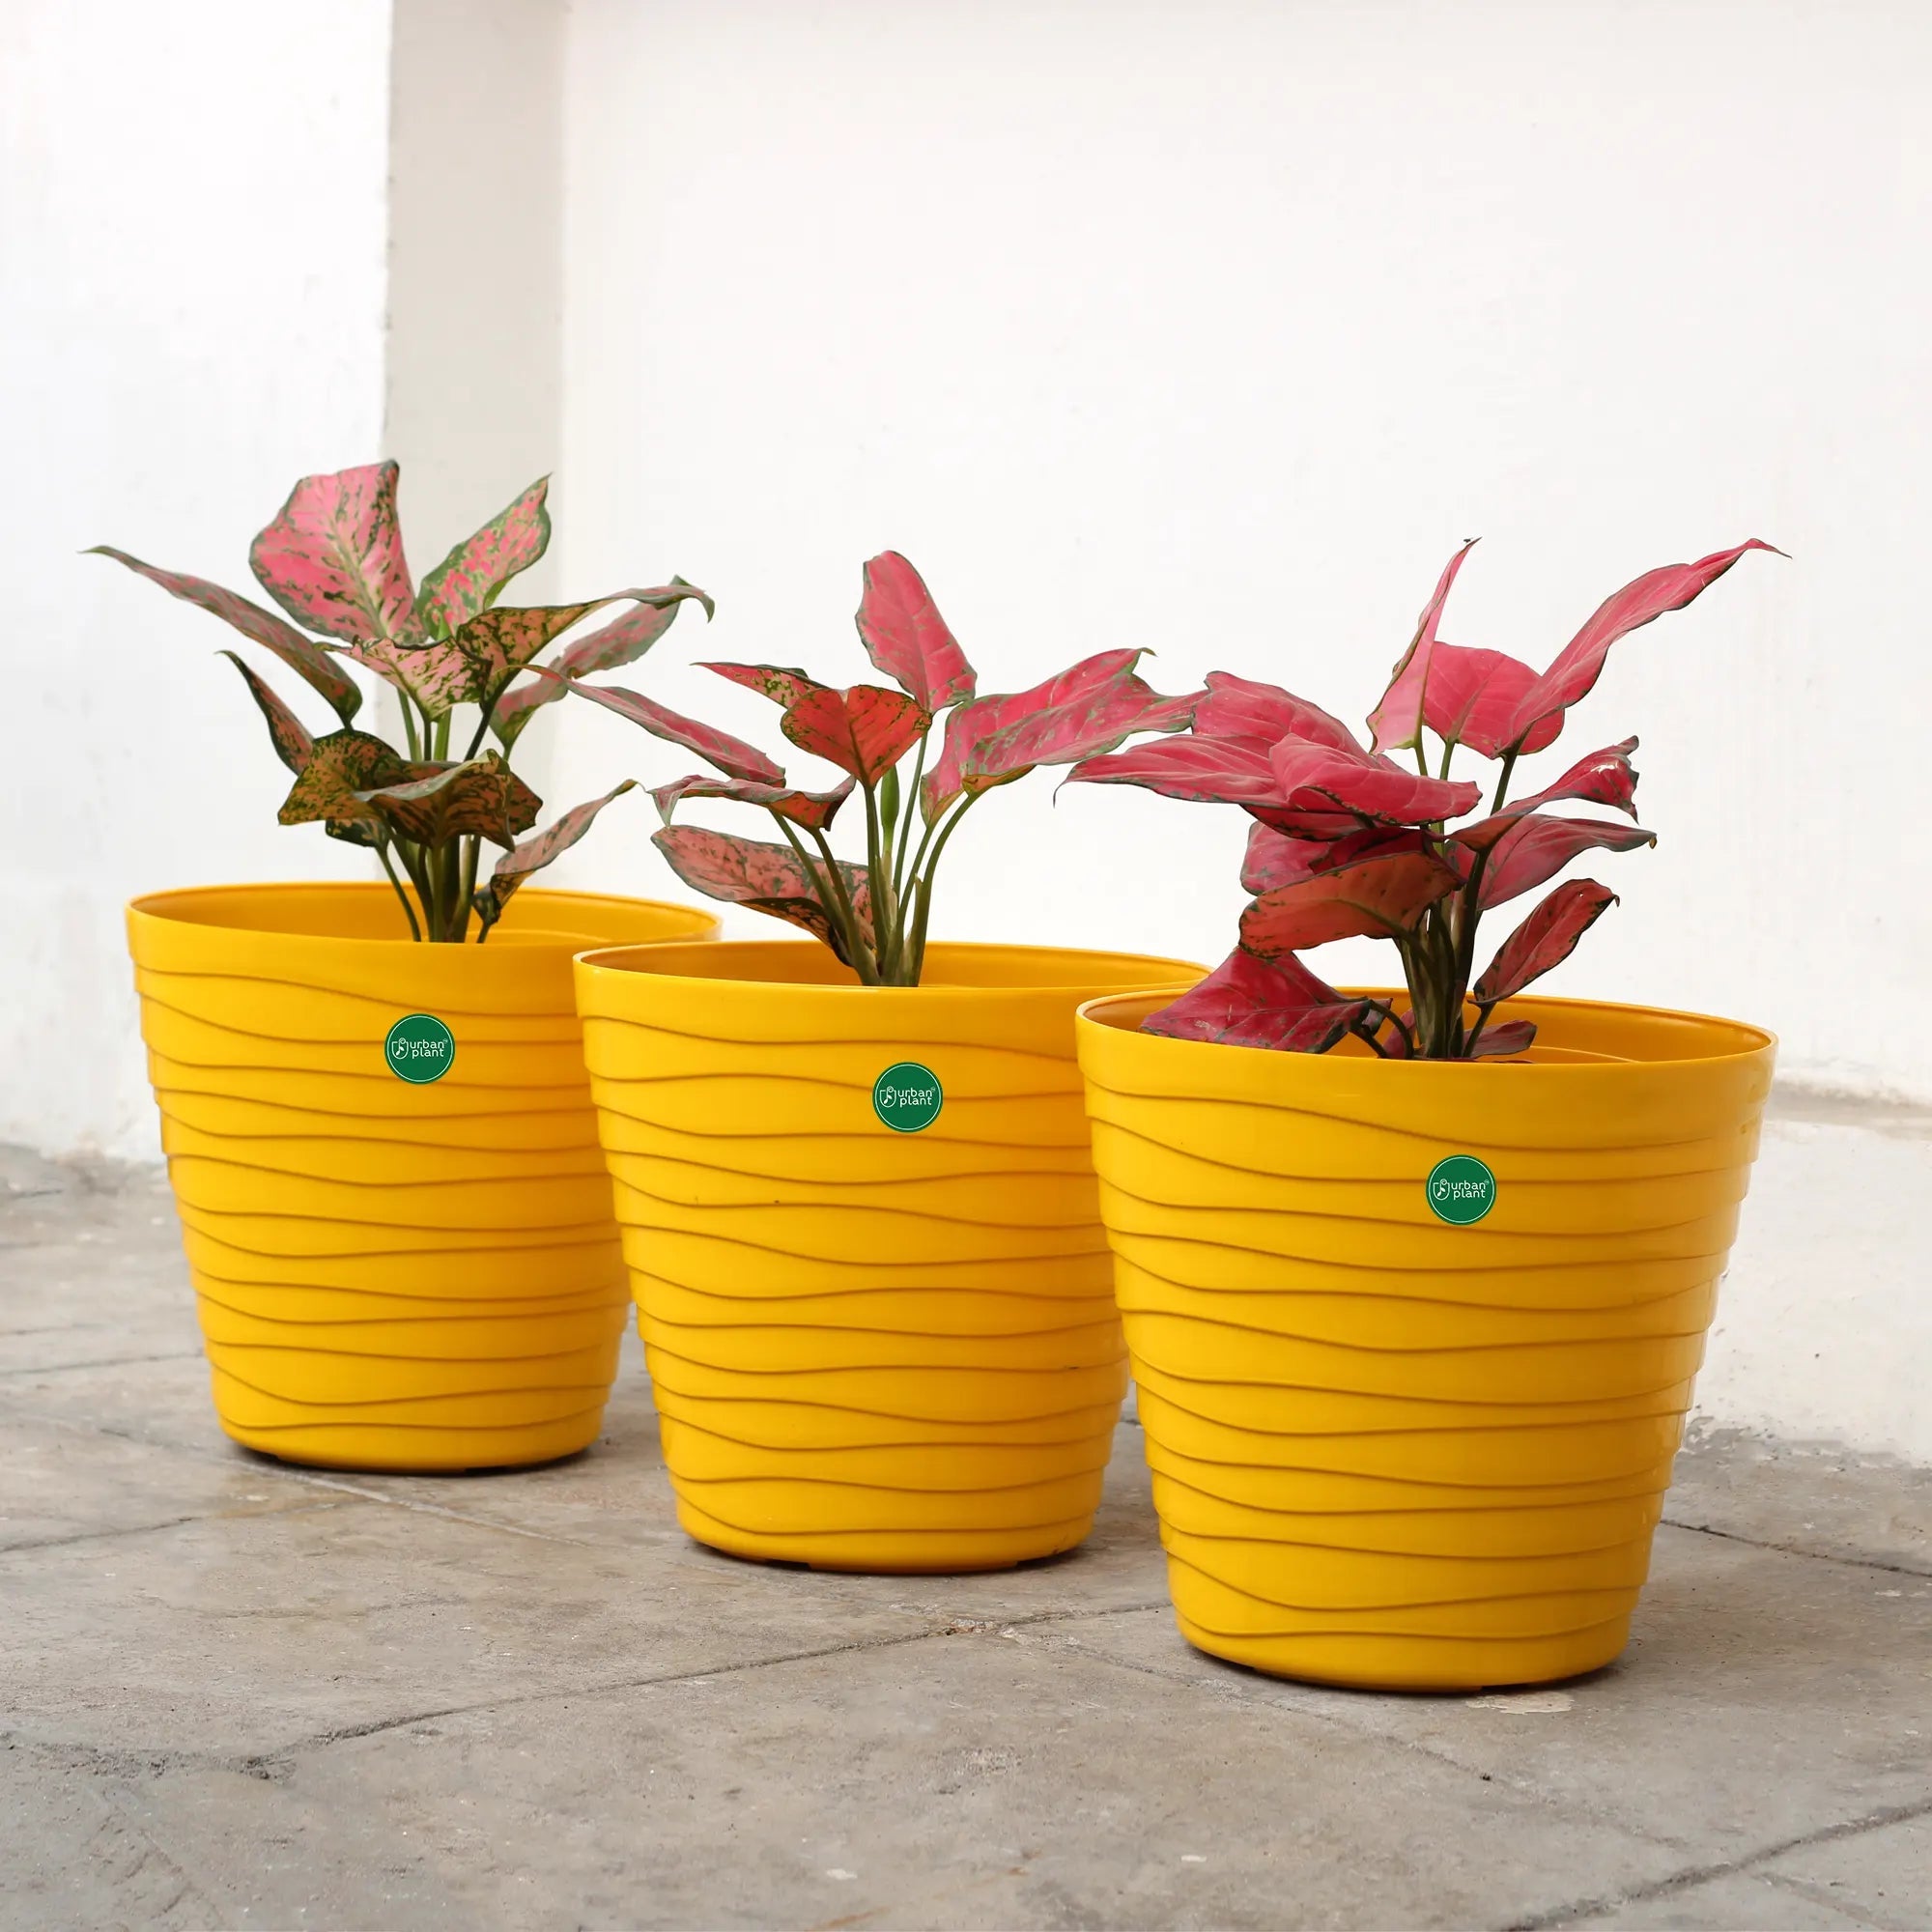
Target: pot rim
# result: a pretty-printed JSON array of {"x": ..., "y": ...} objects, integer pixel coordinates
[
  {"x": 166, "y": 906},
  {"x": 1138, "y": 973},
  {"x": 1752, "y": 1041}
]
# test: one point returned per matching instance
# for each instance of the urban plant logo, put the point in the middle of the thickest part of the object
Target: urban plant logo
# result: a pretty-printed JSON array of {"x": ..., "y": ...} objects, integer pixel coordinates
[
  {"x": 420, "y": 1049},
  {"x": 907, "y": 1096},
  {"x": 1460, "y": 1190}
]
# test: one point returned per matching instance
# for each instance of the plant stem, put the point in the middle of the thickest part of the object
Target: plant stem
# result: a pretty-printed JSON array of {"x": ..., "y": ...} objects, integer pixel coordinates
[
  {"x": 923, "y": 886},
  {"x": 472, "y": 851},
  {"x": 911, "y": 805},
  {"x": 886, "y": 935},
  {"x": 834, "y": 899},
  {"x": 408, "y": 911}
]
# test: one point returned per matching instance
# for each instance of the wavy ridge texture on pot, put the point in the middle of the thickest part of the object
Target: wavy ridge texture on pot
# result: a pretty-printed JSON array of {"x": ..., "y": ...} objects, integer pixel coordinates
[
  {"x": 1390, "y": 1450},
  {"x": 870, "y": 1349},
  {"x": 388, "y": 1276}
]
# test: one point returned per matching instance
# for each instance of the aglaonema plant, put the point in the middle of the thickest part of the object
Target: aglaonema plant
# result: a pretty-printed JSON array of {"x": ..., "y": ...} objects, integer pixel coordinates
[
  {"x": 874, "y": 914},
  {"x": 333, "y": 560},
  {"x": 1348, "y": 842}
]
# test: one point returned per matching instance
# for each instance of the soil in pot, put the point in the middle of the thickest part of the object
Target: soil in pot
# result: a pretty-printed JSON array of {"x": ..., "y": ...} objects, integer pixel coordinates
[
  {"x": 862, "y": 1234},
  {"x": 1414, "y": 1341},
  {"x": 385, "y": 1162}
]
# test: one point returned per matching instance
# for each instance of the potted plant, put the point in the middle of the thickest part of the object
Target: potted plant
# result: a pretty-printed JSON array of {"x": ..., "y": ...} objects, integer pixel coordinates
[
  {"x": 1415, "y": 1283},
  {"x": 853, "y": 1175},
  {"x": 378, "y": 1126}
]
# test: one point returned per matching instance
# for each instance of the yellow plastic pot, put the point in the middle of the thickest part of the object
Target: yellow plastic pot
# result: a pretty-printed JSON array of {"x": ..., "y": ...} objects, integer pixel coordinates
[
  {"x": 391, "y": 1273},
  {"x": 880, "y": 1337},
  {"x": 1391, "y": 1449}
]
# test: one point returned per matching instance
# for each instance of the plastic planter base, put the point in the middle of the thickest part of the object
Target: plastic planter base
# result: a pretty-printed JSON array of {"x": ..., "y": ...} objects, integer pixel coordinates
[
  {"x": 1403, "y": 1446},
  {"x": 392, "y": 1274},
  {"x": 874, "y": 1346}
]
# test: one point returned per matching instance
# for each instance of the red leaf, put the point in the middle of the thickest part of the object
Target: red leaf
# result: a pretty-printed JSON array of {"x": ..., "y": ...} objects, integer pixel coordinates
[
  {"x": 1236, "y": 707},
  {"x": 1378, "y": 897},
  {"x": 1274, "y": 860},
  {"x": 1268, "y": 1003},
  {"x": 290, "y": 736},
  {"x": 473, "y": 576},
  {"x": 621, "y": 641},
  {"x": 1544, "y": 939},
  {"x": 906, "y": 638},
  {"x": 302, "y": 656},
  {"x": 1498, "y": 1041},
  {"x": 782, "y": 684},
  {"x": 814, "y": 810},
  {"x": 864, "y": 731},
  {"x": 1200, "y": 770},
  {"x": 1640, "y": 602},
  {"x": 1081, "y": 713},
  {"x": 1604, "y": 778},
  {"x": 767, "y": 878},
  {"x": 534, "y": 853},
  {"x": 333, "y": 558},
  {"x": 1471, "y": 696},
  {"x": 1396, "y": 721},
  {"x": 1535, "y": 849},
  {"x": 1318, "y": 778},
  {"x": 731, "y": 756}
]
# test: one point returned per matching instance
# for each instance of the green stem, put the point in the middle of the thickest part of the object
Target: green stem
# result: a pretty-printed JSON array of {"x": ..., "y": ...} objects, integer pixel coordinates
[
  {"x": 828, "y": 890},
  {"x": 408, "y": 911},
  {"x": 911, "y": 805},
  {"x": 472, "y": 851},
  {"x": 923, "y": 886},
  {"x": 884, "y": 909}
]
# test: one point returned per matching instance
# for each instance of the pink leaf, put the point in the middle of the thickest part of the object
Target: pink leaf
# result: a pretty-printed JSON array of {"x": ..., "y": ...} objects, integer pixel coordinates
[
  {"x": 812, "y": 810},
  {"x": 1234, "y": 708},
  {"x": 731, "y": 756},
  {"x": 906, "y": 638},
  {"x": 1200, "y": 770},
  {"x": 1396, "y": 721},
  {"x": 1318, "y": 778},
  {"x": 302, "y": 656},
  {"x": 1544, "y": 939},
  {"x": 1274, "y": 860},
  {"x": 767, "y": 878},
  {"x": 1471, "y": 696},
  {"x": 1604, "y": 778},
  {"x": 864, "y": 731},
  {"x": 1497, "y": 1043},
  {"x": 1081, "y": 713},
  {"x": 1536, "y": 848},
  {"x": 533, "y": 854},
  {"x": 1378, "y": 897},
  {"x": 621, "y": 641},
  {"x": 290, "y": 736},
  {"x": 333, "y": 558},
  {"x": 1268, "y": 1003},
  {"x": 1640, "y": 602},
  {"x": 783, "y": 684},
  {"x": 473, "y": 576},
  {"x": 338, "y": 767}
]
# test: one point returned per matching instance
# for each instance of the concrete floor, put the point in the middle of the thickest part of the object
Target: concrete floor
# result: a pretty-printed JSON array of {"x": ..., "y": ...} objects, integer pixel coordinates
[{"x": 234, "y": 1693}]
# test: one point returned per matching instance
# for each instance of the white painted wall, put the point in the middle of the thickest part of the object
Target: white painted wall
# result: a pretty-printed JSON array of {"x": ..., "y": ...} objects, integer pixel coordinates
[
  {"x": 191, "y": 288},
  {"x": 1215, "y": 326}
]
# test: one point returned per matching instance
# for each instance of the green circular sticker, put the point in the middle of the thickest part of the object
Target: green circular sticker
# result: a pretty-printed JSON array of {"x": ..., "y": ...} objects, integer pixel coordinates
[
  {"x": 907, "y": 1096},
  {"x": 420, "y": 1049},
  {"x": 1460, "y": 1190}
]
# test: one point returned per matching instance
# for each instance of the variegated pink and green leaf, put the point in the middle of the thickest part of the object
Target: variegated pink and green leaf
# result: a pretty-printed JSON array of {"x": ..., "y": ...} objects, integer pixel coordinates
[
  {"x": 864, "y": 731},
  {"x": 291, "y": 737},
  {"x": 783, "y": 684},
  {"x": 333, "y": 558},
  {"x": 907, "y": 639},
  {"x": 814, "y": 811},
  {"x": 731, "y": 756},
  {"x": 532, "y": 855},
  {"x": 303, "y": 655},
  {"x": 473, "y": 576},
  {"x": 480, "y": 798},
  {"x": 764, "y": 877},
  {"x": 621, "y": 641},
  {"x": 339, "y": 767}
]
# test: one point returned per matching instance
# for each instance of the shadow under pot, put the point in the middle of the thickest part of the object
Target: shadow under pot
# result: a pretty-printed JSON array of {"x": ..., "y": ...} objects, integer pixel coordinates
[
  {"x": 386, "y": 1163},
  {"x": 1414, "y": 1340},
  {"x": 864, "y": 1240}
]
